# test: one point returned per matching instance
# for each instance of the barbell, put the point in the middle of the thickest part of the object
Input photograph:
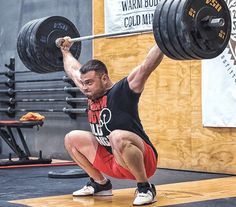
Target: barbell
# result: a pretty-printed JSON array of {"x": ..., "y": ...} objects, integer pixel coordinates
[
  {"x": 66, "y": 89},
  {"x": 11, "y": 82},
  {"x": 183, "y": 30},
  {"x": 11, "y": 73},
  {"x": 26, "y": 100},
  {"x": 65, "y": 110}
]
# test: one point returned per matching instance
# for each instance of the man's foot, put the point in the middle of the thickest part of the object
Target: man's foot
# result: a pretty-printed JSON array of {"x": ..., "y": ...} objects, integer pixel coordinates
[
  {"x": 93, "y": 188},
  {"x": 145, "y": 194}
]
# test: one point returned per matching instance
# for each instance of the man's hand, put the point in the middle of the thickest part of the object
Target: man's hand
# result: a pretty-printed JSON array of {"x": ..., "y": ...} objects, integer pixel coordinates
[{"x": 64, "y": 43}]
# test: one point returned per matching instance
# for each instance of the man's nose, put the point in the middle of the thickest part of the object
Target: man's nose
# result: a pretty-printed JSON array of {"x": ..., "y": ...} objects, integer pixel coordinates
[{"x": 85, "y": 86}]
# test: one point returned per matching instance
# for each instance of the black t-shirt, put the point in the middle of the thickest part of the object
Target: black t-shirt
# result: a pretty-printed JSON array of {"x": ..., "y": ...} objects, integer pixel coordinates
[{"x": 117, "y": 109}]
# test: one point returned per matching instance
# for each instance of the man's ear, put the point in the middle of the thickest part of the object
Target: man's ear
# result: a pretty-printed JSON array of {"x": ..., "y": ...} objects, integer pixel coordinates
[{"x": 105, "y": 77}]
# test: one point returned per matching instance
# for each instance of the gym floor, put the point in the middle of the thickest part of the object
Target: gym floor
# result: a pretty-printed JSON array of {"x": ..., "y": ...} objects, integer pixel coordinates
[{"x": 33, "y": 187}]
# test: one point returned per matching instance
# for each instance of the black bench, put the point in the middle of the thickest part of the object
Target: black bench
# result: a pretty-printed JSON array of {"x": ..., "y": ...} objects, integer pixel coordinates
[{"x": 7, "y": 135}]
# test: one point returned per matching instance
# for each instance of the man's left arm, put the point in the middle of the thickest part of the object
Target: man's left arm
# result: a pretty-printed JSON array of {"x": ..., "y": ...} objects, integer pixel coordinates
[{"x": 140, "y": 74}]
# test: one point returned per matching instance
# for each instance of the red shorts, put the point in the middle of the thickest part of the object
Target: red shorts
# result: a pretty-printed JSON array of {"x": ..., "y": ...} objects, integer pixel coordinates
[{"x": 106, "y": 163}]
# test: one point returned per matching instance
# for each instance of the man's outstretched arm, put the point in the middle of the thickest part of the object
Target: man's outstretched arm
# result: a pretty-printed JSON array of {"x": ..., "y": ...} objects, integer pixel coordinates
[
  {"x": 71, "y": 65},
  {"x": 140, "y": 74}
]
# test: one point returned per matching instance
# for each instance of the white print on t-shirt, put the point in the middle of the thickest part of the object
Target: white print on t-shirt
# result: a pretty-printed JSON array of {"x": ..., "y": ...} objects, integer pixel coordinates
[{"x": 104, "y": 119}]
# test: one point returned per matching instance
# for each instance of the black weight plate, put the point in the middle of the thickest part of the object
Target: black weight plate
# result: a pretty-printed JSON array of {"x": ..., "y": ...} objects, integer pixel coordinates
[
  {"x": 183, "y": 31},
  {"x": 165, "y": 33},
  {"x": 70, "y": 173},
  {"x": 157, "y": 29},
  {"x": 45, "y": 35},
  {"x": 41, "y": 66},
  {"x": 21, "y": 45},
  {"x": 172, "y": 31},
  {"x": 209, "y": 42},
  {"x": 215, "y": 39},
  {"x": 36, "y": 66}
]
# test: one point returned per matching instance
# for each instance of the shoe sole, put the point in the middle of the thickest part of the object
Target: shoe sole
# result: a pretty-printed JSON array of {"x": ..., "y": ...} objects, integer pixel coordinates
[
  {"x": 144, "y": 204},
  {"x": 101, "y": 193}
]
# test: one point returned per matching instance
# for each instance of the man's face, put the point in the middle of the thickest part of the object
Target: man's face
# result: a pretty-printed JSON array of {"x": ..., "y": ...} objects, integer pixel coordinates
[{"x": 93, "y": 84}]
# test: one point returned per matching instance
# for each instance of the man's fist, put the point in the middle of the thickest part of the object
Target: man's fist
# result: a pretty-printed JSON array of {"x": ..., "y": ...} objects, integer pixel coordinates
[{"x": 64, "y": 43}]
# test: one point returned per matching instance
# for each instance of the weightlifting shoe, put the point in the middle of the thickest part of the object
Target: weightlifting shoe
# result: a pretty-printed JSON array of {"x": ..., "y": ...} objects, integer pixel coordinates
[
  {"x": 95, "y": 189},
  {"x": 145, "y": 194}
]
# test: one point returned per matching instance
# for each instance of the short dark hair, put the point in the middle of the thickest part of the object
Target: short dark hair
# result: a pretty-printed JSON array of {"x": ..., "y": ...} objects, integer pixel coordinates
[{"x": 94, "y": 65}]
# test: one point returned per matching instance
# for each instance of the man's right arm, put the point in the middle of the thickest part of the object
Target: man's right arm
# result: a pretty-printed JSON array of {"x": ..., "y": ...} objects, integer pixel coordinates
[{"x": 71, "y": 65}]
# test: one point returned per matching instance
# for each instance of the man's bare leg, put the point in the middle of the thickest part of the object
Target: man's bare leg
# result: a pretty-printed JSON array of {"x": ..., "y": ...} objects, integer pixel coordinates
[
  {"x": 78, "y": 144},
  {"x": 128, "y": 149},
  {"x": 82, "y": 147}
]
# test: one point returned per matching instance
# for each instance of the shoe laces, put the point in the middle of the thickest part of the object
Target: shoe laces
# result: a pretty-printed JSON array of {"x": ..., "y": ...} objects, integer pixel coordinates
[
  {"x": 143, "y": 192},
  {"x": 88, "y": 188}
]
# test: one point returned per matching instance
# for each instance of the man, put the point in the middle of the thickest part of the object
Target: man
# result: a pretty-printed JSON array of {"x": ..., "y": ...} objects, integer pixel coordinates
[{"x": 117, "y": 144}]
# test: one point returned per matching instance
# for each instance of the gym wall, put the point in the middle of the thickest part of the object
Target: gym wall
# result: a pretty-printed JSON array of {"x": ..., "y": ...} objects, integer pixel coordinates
[
  {"x": 13, "y": 15},
  {"x": 170, "y": 106}
]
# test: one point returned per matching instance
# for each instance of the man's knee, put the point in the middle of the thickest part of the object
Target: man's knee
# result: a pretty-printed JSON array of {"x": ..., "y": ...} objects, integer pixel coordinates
[
  {"x": 71, "y": 138},
  {"x": 119, "y": 141}
]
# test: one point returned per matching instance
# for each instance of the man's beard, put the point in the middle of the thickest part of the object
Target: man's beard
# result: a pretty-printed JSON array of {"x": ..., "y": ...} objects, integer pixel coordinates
[{"x": 96, "y": 96}]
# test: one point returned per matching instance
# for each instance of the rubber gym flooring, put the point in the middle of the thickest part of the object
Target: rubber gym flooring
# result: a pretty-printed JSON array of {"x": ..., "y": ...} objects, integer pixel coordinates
[{"x": 175, "y": 188}]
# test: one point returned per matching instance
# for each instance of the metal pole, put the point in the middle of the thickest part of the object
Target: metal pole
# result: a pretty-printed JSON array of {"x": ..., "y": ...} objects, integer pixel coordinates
[
  {"x": 66, "y": 89},
  {"x": 67, "y": 99},
  {"x": 10, "y": 72},
  {"x": 9, "y": 81},
  {"x": 65, "y": 110},
  {"x": 91, "y": 37}
]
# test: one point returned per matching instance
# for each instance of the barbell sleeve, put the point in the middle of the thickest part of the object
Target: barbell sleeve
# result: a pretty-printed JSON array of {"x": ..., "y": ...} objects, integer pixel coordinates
[
  {"x": 76, "y": 100},
  {"x": 216, "y": 22}
]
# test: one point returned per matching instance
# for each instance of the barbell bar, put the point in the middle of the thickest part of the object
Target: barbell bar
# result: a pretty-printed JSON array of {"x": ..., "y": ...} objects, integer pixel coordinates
[
  {"x": 65, "y": 89},
  {"x": 108, "y": 35},
  {"x": 11, "y": 73},
  {"x": 67, "y": 100},
  {"x": 10, "y": 81},
  {"x": 183, "y": 30},
  {"x": 214, "y": 22},
  {"x": 65, "y": 110}
]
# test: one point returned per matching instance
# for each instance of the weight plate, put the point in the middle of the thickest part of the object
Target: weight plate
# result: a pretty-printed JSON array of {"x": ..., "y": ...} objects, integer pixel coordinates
[
  {"x": 46, "y": 33},
  {"x": 206, "y": 41},
  {"x": 157, "y": 30},
  {"x": 36, "y": 43},
  {"x": 43, "y": 68},
  {"x": 183, "y": 33},
  {"x": 172, "y": 31},
  {"x": 36, "y": 66},
  {"x": 165, "y": 33},
  {"x": 21, "y": 45}
]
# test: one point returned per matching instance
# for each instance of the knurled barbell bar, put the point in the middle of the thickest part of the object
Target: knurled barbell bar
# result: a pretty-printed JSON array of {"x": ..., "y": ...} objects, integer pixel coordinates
[
  {"x": 65, "y": 110},
  {"x": 9, "y": 81},
  {"x": 11, "y": 73},
  {"x": 183, "y": 29},
  {"x": 65, "y": 89},
  {"x": 67, "y": 99}
]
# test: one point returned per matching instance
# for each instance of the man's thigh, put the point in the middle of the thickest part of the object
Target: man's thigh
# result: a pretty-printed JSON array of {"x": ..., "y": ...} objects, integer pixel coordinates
[{"x": 84, "y": 142}]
